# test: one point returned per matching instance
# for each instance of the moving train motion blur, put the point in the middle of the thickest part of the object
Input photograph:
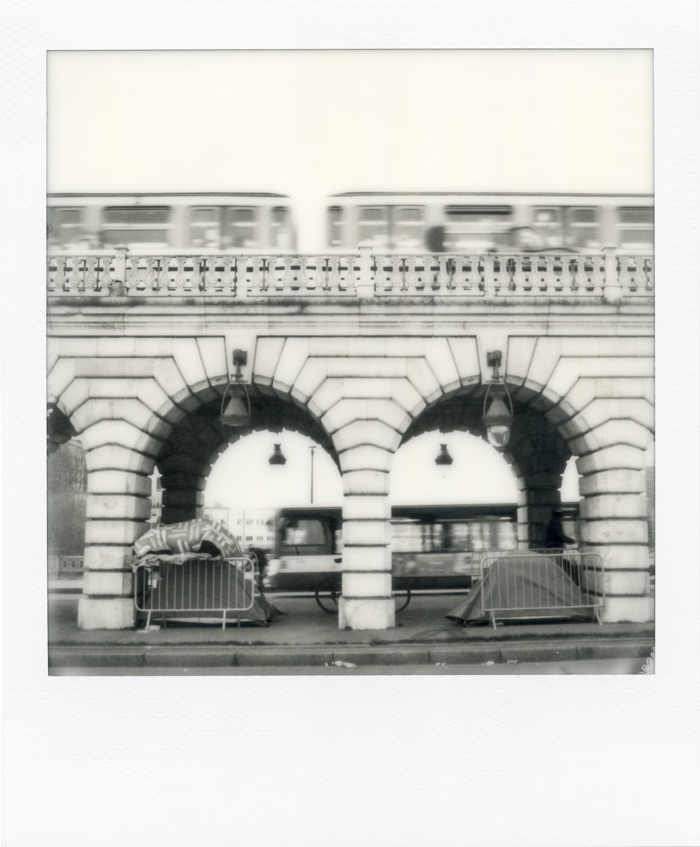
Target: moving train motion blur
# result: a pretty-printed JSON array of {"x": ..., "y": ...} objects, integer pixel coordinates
[
  {"x": 491, "y": 223},
  {"x": 225, "y": 222},
  {"x": 411, "y": 223},
  {"x": 432, "y": 547}
]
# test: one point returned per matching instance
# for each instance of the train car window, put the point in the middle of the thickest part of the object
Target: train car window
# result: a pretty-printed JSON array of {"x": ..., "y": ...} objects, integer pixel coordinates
[
  {"x": 281, "y": 229},
  {"x": 242, "y": 229},
  {"x": 335, "y": 226},
  {"x": 477, "y": 228},
  {"x": 373, "y": 226},
  {"x": 141, "y": 225},
  {"x": 583, "y": 230},
  {"x": 453, "y": 536},
  {"x": 66, "y": 227},
  {"x": 408, "y": 226},
  {"x": 635, "y": 227},
  {"x": 205, "y": 227},
  {"x": 306, "y": 537},
  {"x": 547, "y": 224}
]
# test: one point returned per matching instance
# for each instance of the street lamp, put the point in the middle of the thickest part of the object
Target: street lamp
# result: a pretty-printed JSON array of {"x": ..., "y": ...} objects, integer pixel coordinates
[
  {"x": 312, "y": 448},
  {"x": 277, "y": 457},
  {"x": 237, "y": 413},
  {"x": 443, "y": 457},
  {"x": 498, "y": 419}
]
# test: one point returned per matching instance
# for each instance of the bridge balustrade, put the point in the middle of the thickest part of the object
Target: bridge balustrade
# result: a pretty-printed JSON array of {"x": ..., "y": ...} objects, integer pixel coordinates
[{"x": 364, "y": 274}]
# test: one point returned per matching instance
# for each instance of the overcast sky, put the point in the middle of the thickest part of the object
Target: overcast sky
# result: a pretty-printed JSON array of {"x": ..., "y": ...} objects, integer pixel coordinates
[{"x": 313, "y": 123}]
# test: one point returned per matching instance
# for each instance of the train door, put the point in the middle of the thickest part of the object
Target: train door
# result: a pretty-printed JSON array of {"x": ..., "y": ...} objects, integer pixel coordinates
[{"x": 306, "y": 549}]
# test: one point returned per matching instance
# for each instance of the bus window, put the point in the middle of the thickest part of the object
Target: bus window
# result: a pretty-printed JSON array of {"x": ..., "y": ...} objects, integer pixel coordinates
[
  {"x": 635, "y": 228},
  {"x": 141, "y": 226},
  {"x": 306, "y": 537}
]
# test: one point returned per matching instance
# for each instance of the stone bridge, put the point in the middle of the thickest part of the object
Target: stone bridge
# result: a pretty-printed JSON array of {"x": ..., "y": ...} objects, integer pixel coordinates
[{"x": 361, "y": 353}]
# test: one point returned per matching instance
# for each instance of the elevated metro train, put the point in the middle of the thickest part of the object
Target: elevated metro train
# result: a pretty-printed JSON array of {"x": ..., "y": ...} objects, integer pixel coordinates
[
  {"x": 410, "y": 223},
  {"x": 225, "y": 222}
]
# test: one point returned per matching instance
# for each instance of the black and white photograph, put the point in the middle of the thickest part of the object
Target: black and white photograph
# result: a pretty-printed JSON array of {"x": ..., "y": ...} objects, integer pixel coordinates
[
  {"x": 342, "y": 420},
  {"x": 330, "y": 392}
]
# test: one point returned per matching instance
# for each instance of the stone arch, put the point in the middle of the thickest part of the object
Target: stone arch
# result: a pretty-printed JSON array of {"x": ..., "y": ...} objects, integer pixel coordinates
[{"x": 599, "y": 394}]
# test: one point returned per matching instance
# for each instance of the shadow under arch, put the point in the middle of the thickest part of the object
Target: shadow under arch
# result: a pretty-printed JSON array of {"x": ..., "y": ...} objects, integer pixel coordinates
[
  {"x": 198, "y": 438},
  {"x": 536, "y": 451}
]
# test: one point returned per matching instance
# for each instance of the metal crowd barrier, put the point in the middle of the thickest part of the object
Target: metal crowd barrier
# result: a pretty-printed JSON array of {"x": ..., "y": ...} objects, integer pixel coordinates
[
  {"x": 577, "y": 581},
  {"x": 200, "y": 586}
]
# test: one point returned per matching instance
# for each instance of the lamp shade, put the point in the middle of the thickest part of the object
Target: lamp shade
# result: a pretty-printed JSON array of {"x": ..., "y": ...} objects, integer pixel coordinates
[
  {"x": 443, "y": 457},
  {"x": 236, "y": 413},
  {"x": 498, "y": 421},
  {"x": 277, "y": 457}
]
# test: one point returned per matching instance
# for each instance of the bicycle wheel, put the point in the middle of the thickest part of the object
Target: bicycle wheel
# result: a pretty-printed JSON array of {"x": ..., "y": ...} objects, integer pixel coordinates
[
  {"x": 401, "y": 594},
  {"x": 327, "y": 594}
]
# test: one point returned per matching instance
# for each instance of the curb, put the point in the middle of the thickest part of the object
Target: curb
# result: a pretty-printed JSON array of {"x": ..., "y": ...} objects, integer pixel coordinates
[{"x": 370, "y": 656}]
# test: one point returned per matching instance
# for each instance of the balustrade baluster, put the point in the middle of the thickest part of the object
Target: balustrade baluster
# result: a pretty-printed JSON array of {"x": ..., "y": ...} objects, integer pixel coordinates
[
  {"x": 104, "y": 274},
  {"x": 350, "y": 277},
  {"x": 257, "y": 276},
  {"x": 540, "y": 281},
  {"x": 131, "y": 274},
  {"x": 333, "y": 274},
  {"x": 178, "y": 284},
  {"x": 411, "y": 276},
  {"x": 502, "y": 277},
  {"x": 628, "y": 274},
  {"x": 459, "y": 280},
  {"x": 74, "y": 280},
  {"x": 51, "y": 280},
  {"x": 242, "y": 291},
  {"x": 224, "y": 277},
  {"x": 598, "y": 276},
  {"x": 489, "y": 275},
  {"x": 580, "y": 275},
  {"x": 303, "y": 280},
  {"x": 474, "y": 275},
  {"x": 162, "y": 282},
  {"x": 396, "y": 277},
  {"x": 550, "y": 278},
  {"x": 288, "y": 277},
  {"x": 428, "y": 274},
  {"x": 149, "y": 279},
  {"x": 443, "y": 277},
  {"x": 566, "y": 277},
  {"x": 519, "y": 274},
  {"x": 206, "y": 267},
  {"x": 320, "y": 282},
  {"x": 89, "y": 281},
  {"x": 650, "y": 282},
  {"x": 381, "y": 279}
]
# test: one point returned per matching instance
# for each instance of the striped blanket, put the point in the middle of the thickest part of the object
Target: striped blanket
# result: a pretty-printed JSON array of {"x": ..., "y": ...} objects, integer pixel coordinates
[{"x": 188, "y": 537}]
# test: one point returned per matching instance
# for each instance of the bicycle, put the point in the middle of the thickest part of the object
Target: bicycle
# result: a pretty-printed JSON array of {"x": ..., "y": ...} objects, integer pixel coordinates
[{"x": 329, "y": 590}]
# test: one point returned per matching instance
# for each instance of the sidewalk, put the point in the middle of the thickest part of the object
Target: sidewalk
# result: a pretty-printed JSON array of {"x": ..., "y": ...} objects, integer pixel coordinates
[{"x": 306, "y": 636}]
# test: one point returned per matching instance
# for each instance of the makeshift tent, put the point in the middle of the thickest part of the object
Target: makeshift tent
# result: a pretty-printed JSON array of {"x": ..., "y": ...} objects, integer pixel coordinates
[
  {"x": 182, "y": 571},
  {"x": 530, "y": 585}
]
